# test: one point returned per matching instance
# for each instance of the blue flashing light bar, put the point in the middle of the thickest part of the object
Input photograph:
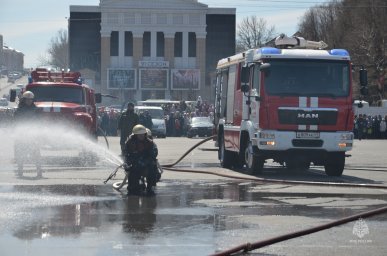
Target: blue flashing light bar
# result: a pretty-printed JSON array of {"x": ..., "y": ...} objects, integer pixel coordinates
[
  {"x": 339, "y": 52},
  {"x": 268, "y": 50}
]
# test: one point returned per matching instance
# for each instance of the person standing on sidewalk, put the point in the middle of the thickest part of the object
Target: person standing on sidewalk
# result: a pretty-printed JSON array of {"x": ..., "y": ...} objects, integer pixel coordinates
[{"x": 127, "y": 121}]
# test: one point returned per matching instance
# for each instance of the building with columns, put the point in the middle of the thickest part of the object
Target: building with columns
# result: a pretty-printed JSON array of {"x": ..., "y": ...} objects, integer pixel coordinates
[
  {"x": 10, "y": 59},
  {"x": 151, "y": 49}
]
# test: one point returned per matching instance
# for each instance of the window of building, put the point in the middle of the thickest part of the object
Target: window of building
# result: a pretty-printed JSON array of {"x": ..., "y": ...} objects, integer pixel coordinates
[
  {"x": 146, "y": 18},
  {"x": 162, "y": 18},
  {"x": 146, "y": 44},
  {"x": 191, "y": 44},
  {"x": 128, "y": 43},
  {"x": 179, "y": 44},
  {"x": 178, "y": 19},
  {"x": 160, "y": 44},
  {"x": 114, "y": 43}
]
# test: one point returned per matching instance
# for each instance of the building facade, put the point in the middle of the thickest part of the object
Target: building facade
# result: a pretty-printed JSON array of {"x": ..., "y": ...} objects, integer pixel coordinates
[
  {"x": 10, "y": 59},
  {"x": 2, "y": 66},
  {"x": 163, "y": 49}
]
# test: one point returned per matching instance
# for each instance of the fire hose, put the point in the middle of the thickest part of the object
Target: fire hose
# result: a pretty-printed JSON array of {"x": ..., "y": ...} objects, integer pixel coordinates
[
  {"x": 256, "y": 245},
  {"x": 169, "y": 167},
  {"x": 119, "y": 185},
  {"x": 253, "y": 246},
  {"x": 104, "y": 135}
]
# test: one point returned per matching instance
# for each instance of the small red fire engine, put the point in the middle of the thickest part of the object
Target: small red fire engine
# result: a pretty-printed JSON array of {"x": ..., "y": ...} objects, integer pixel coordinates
[{"x": 62, "y": 96}]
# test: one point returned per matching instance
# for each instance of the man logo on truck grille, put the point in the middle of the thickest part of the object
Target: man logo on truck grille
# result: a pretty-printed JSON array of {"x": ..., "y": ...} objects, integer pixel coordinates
[{"x": 307, "y": 116}]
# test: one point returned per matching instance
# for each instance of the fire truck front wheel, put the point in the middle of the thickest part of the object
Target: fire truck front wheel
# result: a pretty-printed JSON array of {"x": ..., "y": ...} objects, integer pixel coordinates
[
  {"x": 254, "y": 164},
  {"x": 335, "y": 163}
]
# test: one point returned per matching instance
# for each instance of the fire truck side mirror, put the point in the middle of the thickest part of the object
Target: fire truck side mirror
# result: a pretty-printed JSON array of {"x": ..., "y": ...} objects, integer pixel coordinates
[
  {"x": 363, "y": 77},
  {"x": 245, "y": 75},
  {"x": 98, "y": 98},
  {"x": 364, "y": 90},
  {"x": 12, "y": 95}
]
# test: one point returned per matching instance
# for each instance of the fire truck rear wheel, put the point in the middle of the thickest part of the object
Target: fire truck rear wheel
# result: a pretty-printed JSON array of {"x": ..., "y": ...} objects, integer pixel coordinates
[
  {"x": 227, "y": 158},
  {"x": 335, "y": 164},
  {"x": 254, "y": 164}
]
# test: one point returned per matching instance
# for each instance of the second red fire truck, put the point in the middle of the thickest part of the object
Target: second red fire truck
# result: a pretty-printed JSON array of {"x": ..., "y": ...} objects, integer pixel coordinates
[
  {"x": 61, "y": 96},
  {"x": 291, "y": 103},
  {"x": 63, "y": 99}
]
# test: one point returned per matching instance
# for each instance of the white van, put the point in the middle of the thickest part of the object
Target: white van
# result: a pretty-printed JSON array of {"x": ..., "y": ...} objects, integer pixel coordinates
[{"x": 157, "y": 113}]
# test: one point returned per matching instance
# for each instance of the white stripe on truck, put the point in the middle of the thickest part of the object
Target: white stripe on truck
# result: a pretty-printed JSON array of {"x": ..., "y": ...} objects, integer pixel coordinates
[
  {"x": 314, "y": 104},
  {"x": 302, "y": 103}
]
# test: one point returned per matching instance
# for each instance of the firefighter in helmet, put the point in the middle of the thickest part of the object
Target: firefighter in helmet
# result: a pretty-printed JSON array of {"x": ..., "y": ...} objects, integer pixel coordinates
[
  {"x": 28, "y": 147},
  {"x": 140, "y": 161}
]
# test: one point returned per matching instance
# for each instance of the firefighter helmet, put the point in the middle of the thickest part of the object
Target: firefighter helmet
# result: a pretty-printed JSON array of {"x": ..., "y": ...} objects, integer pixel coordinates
[
  {"x": 28, "y": 95},
  {"x": 139, "y": 129}
]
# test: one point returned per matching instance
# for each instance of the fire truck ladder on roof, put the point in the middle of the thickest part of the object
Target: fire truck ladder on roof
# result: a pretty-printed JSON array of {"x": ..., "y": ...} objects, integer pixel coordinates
[
  {"x": 284, "y": 42},
  {"x": 44, "y": 75}
]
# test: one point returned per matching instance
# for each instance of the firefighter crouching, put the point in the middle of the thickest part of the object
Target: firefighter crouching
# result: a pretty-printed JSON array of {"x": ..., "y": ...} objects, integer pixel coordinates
[
  {"x": 28, "y": 146},
  {"x": 141, "y": 161}
]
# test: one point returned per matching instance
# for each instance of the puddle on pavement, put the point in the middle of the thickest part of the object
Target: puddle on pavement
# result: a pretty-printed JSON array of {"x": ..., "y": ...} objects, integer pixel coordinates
[{"x": 194, "y": 218}]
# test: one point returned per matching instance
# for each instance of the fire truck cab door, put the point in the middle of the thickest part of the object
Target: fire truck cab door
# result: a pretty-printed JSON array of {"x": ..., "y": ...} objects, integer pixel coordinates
[
  {"x": 255, "y": 91},
  {"x": 231, "y": 95}
]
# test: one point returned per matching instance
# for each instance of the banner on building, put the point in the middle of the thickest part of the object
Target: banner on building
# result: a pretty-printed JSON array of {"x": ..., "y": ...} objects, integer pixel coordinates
[
  {"x": 122, "y": 79},
  {"x": 185, "y": 79},
  {"x": 154, "y": 79}
]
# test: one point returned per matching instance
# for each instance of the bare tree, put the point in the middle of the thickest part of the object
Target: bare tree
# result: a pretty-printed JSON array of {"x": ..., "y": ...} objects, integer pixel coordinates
[
  {"x": 253, "y": 32},
  {"x": 43, "y": 60},
  {"x": 359, "y": 27},
  {"x": 58, "y": 50}
]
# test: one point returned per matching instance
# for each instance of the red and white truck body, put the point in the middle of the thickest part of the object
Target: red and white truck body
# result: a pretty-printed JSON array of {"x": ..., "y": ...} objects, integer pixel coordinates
[
  {"x": 62, "y": 97},
  {"x": 293, "y": 105}
]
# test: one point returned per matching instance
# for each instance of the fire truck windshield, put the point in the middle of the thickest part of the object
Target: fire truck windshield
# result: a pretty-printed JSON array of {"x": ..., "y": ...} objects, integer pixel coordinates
[
  {"x": 58, "y": 94},
  {"x": 308, "y": 78}
]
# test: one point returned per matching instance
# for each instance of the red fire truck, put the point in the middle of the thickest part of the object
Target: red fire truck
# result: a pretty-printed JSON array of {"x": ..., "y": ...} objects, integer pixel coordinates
[
  {"x": 62, "y": 96},
  {"x": 292, "y": 104}
]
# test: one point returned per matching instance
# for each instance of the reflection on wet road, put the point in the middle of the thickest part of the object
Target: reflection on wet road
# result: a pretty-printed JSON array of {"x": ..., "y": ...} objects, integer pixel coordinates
[{"x": 184, "y": 218}]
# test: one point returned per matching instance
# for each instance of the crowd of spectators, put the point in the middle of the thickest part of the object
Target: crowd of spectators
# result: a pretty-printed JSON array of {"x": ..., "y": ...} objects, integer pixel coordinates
[
  {"x": 370, "y": 127},
  {"x": 108, "y": 121},
  {"x": 177, "y": 117}
]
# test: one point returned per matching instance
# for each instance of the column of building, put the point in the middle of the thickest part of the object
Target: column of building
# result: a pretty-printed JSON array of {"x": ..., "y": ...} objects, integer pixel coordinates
[
  {"x": 201, "y": 61},
  {"x": 169, "y": 55},
  {"x": 137, "y": 56},
  {"x": 105, "y": 60}
]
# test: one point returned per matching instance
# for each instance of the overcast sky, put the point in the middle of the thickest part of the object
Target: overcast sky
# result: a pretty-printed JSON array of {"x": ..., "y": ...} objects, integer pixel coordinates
[{"x": 28, "y": 26}]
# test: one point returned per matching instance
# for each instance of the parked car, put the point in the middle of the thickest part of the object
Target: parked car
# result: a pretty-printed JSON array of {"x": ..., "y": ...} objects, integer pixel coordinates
[
  {"x": 157, "y": 113},
  {"x": 200, "y": 126},
  {"x": 3, "y": 102},
  {"x": 13, "y": 76}
]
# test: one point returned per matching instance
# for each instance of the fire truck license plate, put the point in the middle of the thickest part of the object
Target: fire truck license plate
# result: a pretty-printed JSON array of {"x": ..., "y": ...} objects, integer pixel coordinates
[{"x": 308, "y": 135}]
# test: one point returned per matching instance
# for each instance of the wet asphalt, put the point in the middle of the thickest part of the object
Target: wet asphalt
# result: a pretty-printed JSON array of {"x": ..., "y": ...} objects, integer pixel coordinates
[{"x": 70, "y": 211}]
